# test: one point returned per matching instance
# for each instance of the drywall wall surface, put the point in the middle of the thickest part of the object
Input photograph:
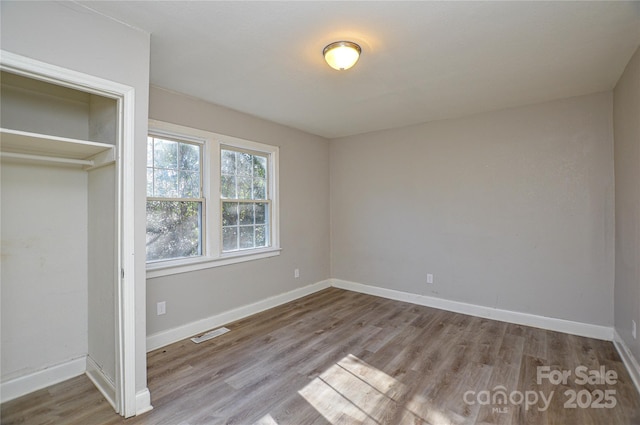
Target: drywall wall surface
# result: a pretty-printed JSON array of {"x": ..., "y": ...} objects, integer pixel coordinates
[
  {"x": 103, "y": 119},
  {"x": 44, "y": 271},
  {"x": 626, "y": 130},
  {"x": 74, "y": 37},
  {"x": 102, "y": 268},
  {"x": 38, "y": 107},
  {"x": 510, "y": 209},
  {"x": 304, "y": 219}
]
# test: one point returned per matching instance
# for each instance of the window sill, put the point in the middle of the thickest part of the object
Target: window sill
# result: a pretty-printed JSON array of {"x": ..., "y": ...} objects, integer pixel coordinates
[{"x": 167, "y": 268}]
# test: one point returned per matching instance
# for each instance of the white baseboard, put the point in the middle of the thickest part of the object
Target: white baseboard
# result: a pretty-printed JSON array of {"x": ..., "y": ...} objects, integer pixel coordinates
[
  {"x": 628, "y": 359},
  {"x": 103, "y": 383},
  {"x": 170, "y": 336},
  {"x": 143, "y": 401},
  {"x": 26, "y": 384},
  {"x": 550, "y": 323}
]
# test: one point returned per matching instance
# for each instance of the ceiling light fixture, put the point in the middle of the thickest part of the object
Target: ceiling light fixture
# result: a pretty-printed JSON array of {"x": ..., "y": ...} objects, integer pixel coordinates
[{"x": 342, "y": 55}]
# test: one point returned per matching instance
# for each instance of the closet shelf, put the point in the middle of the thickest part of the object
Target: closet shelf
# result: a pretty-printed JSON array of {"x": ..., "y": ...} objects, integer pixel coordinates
[{"x": 43, "y": 147}]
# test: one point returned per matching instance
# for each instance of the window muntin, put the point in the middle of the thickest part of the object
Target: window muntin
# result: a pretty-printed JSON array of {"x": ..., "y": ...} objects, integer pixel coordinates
[
  {"x": 244, "y": 183},
  {"x": 175, "y": 201}
]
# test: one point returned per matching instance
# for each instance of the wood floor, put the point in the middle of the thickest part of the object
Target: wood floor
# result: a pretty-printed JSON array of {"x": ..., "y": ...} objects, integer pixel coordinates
[{"x": 339, "y": 357}]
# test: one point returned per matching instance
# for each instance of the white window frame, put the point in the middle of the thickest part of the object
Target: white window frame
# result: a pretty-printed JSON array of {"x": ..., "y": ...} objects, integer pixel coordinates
[{"x": 212, "y": 219}]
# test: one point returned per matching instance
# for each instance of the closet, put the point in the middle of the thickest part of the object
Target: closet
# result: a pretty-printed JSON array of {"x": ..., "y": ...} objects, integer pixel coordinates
[{"x": 60, "y": 234}]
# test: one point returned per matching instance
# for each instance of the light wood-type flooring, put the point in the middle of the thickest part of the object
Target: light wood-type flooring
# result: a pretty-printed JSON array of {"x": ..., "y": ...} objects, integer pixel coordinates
[{"x": 339, "y": 357}]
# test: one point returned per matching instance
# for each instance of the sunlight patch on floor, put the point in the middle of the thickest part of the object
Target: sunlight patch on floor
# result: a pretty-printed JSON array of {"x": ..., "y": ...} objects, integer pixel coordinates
[
  {"x": 352, "y": 391},
  {"x": 426, "y": 410},
  {"x": 266, "y": 420}
]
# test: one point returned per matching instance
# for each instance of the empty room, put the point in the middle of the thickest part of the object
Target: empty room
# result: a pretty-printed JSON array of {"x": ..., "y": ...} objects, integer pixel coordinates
[{"x": 319, "y": 212}]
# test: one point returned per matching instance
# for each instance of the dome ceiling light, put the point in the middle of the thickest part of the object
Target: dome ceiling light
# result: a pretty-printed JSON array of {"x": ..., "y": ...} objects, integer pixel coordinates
[{"x": 342, "y": 55}]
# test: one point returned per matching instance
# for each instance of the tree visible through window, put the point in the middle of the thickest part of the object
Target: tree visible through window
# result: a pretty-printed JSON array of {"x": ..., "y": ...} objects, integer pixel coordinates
[
  {"x": 245, "y": 200},
  {"x": 175, "y": 202}
]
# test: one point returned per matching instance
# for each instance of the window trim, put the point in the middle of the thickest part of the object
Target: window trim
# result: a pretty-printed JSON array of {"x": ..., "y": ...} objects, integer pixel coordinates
[{"x": 212, "y": 228}]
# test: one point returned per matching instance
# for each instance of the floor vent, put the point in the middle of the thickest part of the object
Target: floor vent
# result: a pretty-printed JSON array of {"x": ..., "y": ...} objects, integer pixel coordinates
[{"x": 210, "y": 335}]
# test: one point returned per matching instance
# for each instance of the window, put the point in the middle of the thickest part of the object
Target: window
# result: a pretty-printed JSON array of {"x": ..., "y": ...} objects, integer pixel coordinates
[
  {"x": 211, "y": 199},
  {"x": 245, "y": 205},
  {"x": 175, "y": 203}
]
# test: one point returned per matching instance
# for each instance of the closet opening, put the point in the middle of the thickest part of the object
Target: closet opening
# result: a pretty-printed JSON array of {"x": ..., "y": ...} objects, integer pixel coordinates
[{"x": 65, "y": 214}]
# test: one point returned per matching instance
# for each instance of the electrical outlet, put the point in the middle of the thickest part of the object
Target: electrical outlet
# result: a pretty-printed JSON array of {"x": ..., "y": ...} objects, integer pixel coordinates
[
  {"x": 633, "y": 329},
  {"x": 296, "y": 273},
  {"x": 161, "y": 307},
  {"x": 429, "y": 278}
]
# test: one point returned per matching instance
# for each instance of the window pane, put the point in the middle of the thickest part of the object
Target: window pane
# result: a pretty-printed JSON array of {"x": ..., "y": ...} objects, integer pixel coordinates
[
  {"x": 229, "y": 238},
  {"x": 189, "y": 157},
  {"x": 261, "y": 236},
  {"x": 230, "y": 213},
  {"x": 259, "y": 191},
  {"x": 165, "y": 154},
  {"x": 228, "y": 162},
  {"x": 260, "y": 213},
  {"x": 246, "y": 237},
  {"x": 228, "y": 187},
  {"x": 149, "y": 151},
  {"x": 165, "y": 183},
  {"x": 149, "y": 181},
  {"x": 244, "y": 187},
  {"x": 246, "y": 214},
  {"x": 259, "y": 166},
  {"x": 244, "y": 164},
  {"x": 189, "y": 184},
  {"x": 173, "y": 229}
]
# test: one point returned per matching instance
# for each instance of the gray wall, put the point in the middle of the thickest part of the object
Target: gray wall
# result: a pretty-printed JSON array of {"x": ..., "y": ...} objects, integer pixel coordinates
[
  {"x": 39, "y": 107},
  {"x": 626, "y": 119},
  {"x": 44, "y": 270},
  {"x": 511, "y": 209},
  {"x": 102, "y": 268},
  {"x": 73, "y": 37},
  {"x": 304, "y": 219}
]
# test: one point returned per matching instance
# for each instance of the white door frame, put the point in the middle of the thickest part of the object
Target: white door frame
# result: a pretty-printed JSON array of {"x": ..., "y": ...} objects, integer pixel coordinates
[{"x": 125, "y": 385}]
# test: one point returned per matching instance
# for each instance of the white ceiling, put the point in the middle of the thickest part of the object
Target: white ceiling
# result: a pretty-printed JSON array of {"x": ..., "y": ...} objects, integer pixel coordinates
[{"x": 421, "y": 61}]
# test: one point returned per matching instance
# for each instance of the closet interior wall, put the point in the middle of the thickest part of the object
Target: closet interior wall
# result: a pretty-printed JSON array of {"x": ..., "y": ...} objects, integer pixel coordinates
[{"x": 58, "y": 231}]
